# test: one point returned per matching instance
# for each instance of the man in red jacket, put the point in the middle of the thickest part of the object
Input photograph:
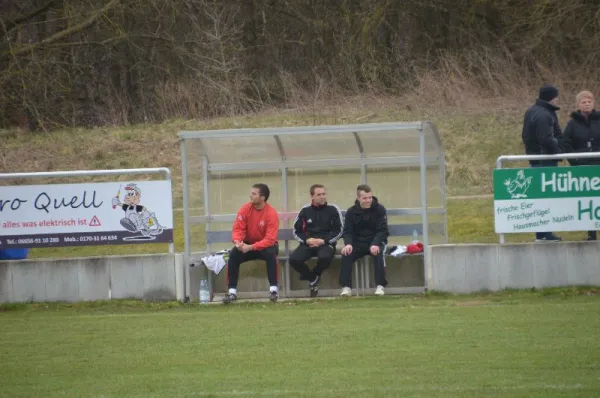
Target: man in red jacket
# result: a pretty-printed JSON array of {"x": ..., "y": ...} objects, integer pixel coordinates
[{"x": 254, "y": 235}]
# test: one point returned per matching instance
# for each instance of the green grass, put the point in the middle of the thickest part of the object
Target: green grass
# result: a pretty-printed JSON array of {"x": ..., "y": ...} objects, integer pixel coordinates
[{"x": 510, "y": 344}]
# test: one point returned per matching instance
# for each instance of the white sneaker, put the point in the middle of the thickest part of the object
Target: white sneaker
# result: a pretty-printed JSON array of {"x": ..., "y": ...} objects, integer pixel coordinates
[
  {"x": 346, "y": 292},
  {"x": 379, "y": 291}
]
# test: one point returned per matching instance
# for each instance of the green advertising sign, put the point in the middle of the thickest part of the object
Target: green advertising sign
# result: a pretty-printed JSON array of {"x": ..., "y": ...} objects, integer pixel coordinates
[{"x": 547, "y": 199}]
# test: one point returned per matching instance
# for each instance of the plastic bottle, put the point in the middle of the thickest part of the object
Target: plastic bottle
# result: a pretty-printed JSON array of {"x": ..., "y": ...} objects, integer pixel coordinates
[
  {"x": 415, "y": 236},
  {"x": 204, "y": 292}
]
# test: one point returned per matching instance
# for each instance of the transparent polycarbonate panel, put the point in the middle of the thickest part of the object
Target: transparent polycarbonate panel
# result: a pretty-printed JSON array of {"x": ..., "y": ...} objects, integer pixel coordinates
[
  {"x": 432, "y": 140},
  {"x": 404, "y": 220},
  {"x": 340, "y": 185},
  {"x": 400, "y": 186},
  {"x": 320, "y": 146},
  {"x": 197, "y": 238},
  {"x": 228, "y": 191},
  {"x": 438, "y": 229},
  {"x": 435, "y": 184},
  {"x": 395, "y": 186},
  {"x": 390, "y": 143},
  {"x": 195, "y": 183},
  {"x": 242, "y": 149}
]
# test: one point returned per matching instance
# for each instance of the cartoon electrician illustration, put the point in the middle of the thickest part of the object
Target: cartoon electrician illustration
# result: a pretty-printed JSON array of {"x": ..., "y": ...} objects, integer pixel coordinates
[{"x": 137, "y": 217}]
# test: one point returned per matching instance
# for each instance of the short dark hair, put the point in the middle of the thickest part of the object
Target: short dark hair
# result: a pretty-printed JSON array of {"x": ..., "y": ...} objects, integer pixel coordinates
[
  {"x": 363, "y": 187},
  {"x": 263, "y": 190},
  {"x": 315, "y": 186}
]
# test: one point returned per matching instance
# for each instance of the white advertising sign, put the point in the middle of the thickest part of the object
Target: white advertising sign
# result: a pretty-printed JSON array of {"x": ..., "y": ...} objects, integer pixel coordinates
[
  {"x": 545, "y": 199},
  {"x": 86, "y": 214}
]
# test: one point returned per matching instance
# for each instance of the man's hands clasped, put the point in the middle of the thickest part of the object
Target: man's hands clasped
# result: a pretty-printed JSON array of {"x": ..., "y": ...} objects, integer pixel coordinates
[{"x": 243, "y": 247}]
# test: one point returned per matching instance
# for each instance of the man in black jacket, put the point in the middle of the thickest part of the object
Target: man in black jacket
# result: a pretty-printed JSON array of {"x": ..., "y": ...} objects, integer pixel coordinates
[
  {"x": 365, "y": 233},
  {"x": 542, "y": 136},
  {"x": 541, "y": 130},
  {"x": 318, "y": 227}
]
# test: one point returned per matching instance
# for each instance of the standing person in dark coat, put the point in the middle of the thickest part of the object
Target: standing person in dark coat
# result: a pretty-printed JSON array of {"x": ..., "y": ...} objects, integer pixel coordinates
[
  {"x": 542, "y": 136},
  {"x": 582, "y": 134}
]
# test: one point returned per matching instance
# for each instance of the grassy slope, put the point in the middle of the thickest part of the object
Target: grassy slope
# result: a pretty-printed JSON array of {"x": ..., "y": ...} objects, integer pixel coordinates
[
  {"x": 533, "y": 344},
  {"x": 472, "y": 139}
]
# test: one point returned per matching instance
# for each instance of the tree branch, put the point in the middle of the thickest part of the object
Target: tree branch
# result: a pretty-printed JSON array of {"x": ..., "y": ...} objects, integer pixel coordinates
[
  {"x": 64, "y": 33},
  {"x": 23, "y": 18}
]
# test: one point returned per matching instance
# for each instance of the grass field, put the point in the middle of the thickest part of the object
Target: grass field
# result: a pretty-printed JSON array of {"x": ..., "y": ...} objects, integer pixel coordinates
[
  {"x": 510, "y": 344},
  {"x": 507, "y": 344}
]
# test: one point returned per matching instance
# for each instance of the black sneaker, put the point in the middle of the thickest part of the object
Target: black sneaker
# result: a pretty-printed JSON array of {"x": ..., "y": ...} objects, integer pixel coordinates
[
  {"x": 313, "y": 286},
  {"x": 229, "y": 298},
  {"x": 315, "y": 282},
  {"x": 273, "y": 296},
  {"x": 549, "y": 238}
]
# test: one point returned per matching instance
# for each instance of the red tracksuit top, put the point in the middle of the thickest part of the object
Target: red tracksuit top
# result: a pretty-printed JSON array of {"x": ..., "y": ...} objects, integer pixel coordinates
[{"x": 256, "y": 227}]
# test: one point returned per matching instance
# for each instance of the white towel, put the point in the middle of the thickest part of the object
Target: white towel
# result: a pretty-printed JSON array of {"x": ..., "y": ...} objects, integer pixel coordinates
[
  {"x": 398, "y": 251},
  {"x": 216, "y": 262}
]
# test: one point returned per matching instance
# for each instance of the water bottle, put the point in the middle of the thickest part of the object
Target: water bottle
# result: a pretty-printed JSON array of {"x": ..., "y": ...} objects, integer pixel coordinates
[
  {"x": 204, "y": 292},
  {"x": 415, "y": 236}
]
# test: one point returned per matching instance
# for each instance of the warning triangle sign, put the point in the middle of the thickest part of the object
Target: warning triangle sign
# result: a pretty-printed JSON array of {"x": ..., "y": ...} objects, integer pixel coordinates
[{"x": 94, "y": 222}]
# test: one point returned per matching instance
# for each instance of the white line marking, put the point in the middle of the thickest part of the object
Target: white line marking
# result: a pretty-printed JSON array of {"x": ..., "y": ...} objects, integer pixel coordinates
[{"x": 408, "y": 389}]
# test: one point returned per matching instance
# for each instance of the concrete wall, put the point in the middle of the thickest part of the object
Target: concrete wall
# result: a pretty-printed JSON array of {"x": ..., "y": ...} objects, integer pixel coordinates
[
  {"x": 481, "y": 267},
  {"x": 146, "y": 277},
  {"x": 451, "y": 268}
]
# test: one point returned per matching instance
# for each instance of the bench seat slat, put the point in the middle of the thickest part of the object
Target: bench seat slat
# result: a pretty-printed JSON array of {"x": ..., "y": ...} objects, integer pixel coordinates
[{"x": 286, "y": 234}]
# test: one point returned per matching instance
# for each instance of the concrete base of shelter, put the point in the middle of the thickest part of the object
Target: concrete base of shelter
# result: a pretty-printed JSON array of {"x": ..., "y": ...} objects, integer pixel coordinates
[
  {"x": 449, "y": 268},
  {"x": 404, "y": 275},
  {"x": 140, "y": 277},
  {"x": 493, "y": 267}
]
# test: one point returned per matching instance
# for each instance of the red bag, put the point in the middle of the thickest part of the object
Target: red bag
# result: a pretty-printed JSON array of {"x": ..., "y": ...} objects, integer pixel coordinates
[{"x": 414, "y": 248}]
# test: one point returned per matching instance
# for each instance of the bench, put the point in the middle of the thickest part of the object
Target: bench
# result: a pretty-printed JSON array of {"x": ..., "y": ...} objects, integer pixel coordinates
[{"x": 361, "y": 276}]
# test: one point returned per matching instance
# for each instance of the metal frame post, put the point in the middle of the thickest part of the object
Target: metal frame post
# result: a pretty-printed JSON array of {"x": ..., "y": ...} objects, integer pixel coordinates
[
  {"x": 186, "y": 220},
  {"x": 501, "y": 238},
  {"x": 363, "y": 269},
  {"x": 423, "y": 170},
  {"x": 443, "y": 192},
  {"x": 286, "y": 223},
  {"x": 364, "y": 261},
  {"x": 284, "y": 198},
  {"x": 206, "y": 194}
]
